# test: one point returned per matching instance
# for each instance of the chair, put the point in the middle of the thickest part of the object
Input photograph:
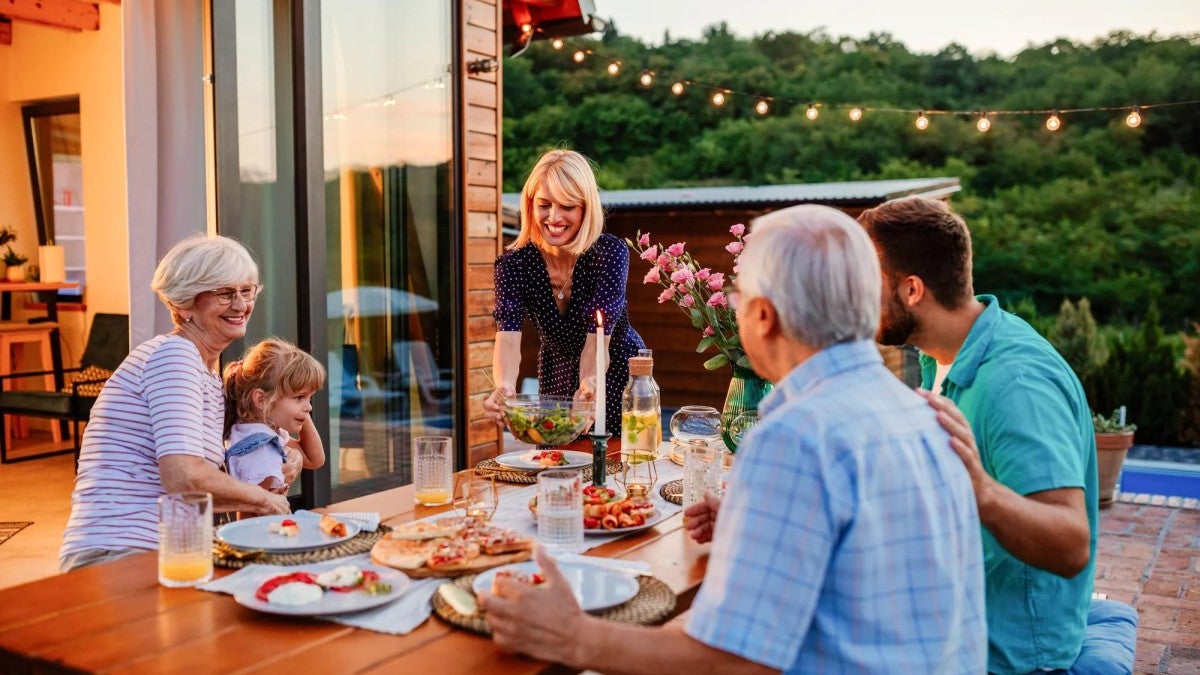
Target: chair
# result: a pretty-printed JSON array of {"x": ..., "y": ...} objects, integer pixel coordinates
[
  {"x": 107, "y": 346},
  {"x": 415, "y": 365}
]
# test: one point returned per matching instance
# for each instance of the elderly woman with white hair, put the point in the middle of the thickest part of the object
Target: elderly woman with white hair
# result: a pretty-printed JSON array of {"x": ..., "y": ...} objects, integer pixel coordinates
[{"x": 156, "y": 427}]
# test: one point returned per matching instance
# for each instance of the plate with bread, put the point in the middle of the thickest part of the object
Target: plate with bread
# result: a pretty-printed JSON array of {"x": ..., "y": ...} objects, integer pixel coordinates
[
  {"x": 450, "y": 547},
  {"x": 293, "y": 533},
  {"x": 596, "y": 588}
]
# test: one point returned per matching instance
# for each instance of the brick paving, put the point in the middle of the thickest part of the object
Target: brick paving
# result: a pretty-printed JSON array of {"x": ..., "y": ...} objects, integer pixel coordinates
[{"x": 1149, "y": 556}]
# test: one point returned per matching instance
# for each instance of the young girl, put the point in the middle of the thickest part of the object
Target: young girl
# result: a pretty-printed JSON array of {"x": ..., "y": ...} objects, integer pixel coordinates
[{"x": 268, "y": 398}]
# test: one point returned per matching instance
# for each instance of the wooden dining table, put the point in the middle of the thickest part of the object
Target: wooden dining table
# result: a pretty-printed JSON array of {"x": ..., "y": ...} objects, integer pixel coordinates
[{"x": 115, "y": 617}]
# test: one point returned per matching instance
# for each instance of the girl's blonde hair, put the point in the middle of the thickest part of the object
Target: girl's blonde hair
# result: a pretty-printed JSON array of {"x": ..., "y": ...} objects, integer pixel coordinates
[
  {"x": 568, "y": 177},
  {"x": 277, "y": 367}
]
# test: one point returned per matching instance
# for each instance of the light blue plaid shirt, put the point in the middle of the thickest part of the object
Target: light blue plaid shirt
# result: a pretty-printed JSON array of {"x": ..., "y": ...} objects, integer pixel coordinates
[{"x": 849, "y": 539}]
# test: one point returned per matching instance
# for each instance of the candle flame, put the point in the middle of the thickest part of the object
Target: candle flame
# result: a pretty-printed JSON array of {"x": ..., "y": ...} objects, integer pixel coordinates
[{"x": 599, "y": 318}]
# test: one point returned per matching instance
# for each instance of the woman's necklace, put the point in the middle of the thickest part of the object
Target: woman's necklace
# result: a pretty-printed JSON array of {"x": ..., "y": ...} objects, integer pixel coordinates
[{"x": 565, "y": 285}]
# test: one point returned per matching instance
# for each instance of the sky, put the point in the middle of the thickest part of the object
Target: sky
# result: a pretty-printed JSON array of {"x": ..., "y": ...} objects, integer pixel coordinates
[{"x": 1000, "y": 26}]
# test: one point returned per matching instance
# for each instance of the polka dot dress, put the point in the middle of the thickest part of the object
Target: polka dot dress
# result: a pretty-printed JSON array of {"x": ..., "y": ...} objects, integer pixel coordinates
[{"x": 598, "y": 283}]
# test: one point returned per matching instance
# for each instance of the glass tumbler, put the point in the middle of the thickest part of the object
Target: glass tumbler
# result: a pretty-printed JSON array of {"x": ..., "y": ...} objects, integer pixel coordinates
[
  {"x": 475, "y": 495},
  {"x": 702, "y": 468},
  {"x": 560, "y": 510},
  {"x": 185, "y": 538},
  {"x": 433, "y": 469}
]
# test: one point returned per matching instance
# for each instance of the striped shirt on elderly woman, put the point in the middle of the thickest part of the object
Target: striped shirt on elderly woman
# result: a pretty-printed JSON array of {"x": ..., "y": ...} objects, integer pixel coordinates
[{"x": 162, "y": 400}]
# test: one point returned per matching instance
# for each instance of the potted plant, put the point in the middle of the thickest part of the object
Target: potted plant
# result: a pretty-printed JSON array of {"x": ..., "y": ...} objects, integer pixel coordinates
[
  {"x": 14, "y": 261},
  {"x": 1114, "y": 437}
]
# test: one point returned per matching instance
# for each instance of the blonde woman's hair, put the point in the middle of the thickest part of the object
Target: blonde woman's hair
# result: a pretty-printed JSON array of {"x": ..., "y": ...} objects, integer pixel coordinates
[
  {"x": 201, "y": 263},
  {"x": 568, "y": 177},
  {"x": 277, "y": 367}
]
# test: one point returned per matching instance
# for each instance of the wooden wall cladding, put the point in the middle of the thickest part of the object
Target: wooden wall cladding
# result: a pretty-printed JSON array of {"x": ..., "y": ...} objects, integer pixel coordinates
[{"x": 481, "y": 114}]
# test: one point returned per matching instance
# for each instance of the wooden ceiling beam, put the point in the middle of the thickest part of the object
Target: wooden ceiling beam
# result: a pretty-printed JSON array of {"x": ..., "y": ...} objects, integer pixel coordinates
[{"x": 68, "y": 14}]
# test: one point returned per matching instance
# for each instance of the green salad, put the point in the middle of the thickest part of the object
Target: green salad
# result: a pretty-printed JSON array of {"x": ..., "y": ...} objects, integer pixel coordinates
[{"x": 544, "y": 427}]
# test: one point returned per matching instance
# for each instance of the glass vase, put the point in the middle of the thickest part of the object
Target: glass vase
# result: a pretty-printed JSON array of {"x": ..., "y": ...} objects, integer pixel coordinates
[{"x": 746, "y": 390}]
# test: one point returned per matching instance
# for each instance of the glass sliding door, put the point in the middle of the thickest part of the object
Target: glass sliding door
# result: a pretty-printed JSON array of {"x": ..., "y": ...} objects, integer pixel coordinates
[
  {"x": 352, "y": 218},
  {"x": 388, "y": 151}
]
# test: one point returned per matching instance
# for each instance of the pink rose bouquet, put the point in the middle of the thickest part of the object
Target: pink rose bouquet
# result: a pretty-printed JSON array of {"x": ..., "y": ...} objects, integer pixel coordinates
[{"x": 699, "y": 293}]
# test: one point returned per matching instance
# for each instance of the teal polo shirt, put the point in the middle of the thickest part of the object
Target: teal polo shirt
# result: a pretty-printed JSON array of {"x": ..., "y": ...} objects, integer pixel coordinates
[{"x": 1033, "y": 428}]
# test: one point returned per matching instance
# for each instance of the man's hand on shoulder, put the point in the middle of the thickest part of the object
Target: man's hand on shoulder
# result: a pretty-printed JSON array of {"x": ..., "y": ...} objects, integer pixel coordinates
[{"x": 962, "y": 441}]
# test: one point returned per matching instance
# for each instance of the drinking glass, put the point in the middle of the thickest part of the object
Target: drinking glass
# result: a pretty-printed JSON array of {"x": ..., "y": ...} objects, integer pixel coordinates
[
  {"x": 475, "y": 495},
  {"x": 560, "y": 510},
  {"x": 185, "y": 538},
  {"x": 702, "y": 465},
  {"x": 738, "y": 427},
  {"x": 433, "y": 469}
]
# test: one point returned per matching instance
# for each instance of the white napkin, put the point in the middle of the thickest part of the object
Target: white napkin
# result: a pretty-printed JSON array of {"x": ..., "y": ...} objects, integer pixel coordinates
[
  {"x": 367, "y": 522},
  {"x": 398, "y": 617}
]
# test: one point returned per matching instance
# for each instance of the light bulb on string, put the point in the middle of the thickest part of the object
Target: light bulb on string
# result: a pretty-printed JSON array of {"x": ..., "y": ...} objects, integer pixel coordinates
[
  {"x": 855, "y": 114},
  {"x": 614, "y": 67},
  {"x": 647, "y": 78},
  {"x": 579, "y": 56},
  {"x": 922, "y": 122},
  {"x": 762, "y": 107},
  {"x": 557, "y": 43},
  {"x": 677, "y": 88},
  {"x": 983, "y": 124},
  {"x": 1053, "y": 123},
  {"x": 718, "y": 98},
  {"x": 527, "y": 28},
  {"x": 1134, "y": 119},
  {"x": 811, "y": 113}
]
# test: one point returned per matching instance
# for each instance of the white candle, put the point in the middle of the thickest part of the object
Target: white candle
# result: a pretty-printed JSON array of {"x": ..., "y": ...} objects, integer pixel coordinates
[{"x": 600, "y": 370}]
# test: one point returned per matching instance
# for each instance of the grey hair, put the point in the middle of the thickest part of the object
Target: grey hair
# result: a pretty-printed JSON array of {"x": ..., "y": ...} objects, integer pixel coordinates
[
  {"x": 819, "y": 269},
  {"x": 201, "y": 263}
]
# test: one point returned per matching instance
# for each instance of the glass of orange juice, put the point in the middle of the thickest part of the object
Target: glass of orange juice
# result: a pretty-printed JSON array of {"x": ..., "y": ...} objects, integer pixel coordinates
[
  {"x": 433, "y": 469},
  {"x": 185, "y": 534}
]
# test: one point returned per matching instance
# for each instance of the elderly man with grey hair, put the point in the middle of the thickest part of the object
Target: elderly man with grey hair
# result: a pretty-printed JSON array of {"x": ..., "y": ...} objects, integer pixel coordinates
[{"x": 848, "y": 540}]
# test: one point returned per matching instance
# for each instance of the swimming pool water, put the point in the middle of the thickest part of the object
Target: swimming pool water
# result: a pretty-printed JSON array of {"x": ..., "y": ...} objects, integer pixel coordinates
[{"x": 1161, "y": 478}]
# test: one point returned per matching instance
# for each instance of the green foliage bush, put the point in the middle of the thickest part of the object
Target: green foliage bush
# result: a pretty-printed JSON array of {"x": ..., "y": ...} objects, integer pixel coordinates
[
  {"x": 1189, "y": 431},
  {"x": 1094, "y": 210},
  {"x": 1075, "y": 335},
  {"x": 1141, "y": 374}
]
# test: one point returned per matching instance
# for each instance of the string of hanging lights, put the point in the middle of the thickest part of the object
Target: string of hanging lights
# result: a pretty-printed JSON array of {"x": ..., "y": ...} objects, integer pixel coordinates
[{"x": 719, "y": 95}]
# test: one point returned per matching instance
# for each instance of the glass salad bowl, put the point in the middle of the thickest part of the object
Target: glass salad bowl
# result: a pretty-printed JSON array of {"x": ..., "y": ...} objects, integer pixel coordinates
[{"x": 546, "y": 420}]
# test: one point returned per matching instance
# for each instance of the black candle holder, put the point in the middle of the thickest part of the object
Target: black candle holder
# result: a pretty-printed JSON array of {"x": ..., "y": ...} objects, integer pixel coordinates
[{"x": 599, "y": 457}]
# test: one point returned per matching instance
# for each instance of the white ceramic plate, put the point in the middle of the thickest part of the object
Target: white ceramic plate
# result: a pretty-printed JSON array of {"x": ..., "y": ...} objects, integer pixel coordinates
[
  {"x": 595, "y": 587},
  {"x": 519, "y": 460},
  {"x": 254, "y": 533},
  {"x": 331, "y": 602},
  {"x": 651, "y": 520}
]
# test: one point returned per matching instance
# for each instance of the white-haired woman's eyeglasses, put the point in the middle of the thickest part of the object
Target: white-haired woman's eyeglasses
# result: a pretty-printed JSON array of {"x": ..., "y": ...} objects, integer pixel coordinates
[{"x": 247, "y": 293}]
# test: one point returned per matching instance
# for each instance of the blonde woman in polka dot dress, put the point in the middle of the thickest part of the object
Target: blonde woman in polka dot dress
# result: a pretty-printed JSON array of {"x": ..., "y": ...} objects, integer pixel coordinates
[{"x": 559, "y": 271}]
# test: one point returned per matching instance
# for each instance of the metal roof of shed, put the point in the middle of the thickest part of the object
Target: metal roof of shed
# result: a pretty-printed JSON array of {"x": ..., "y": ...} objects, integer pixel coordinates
[{"x": 850, "y": 193}]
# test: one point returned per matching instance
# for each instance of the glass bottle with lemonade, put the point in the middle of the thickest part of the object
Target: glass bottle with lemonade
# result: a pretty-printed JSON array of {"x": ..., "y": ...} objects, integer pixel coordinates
[{"x": 641, "y": 424}]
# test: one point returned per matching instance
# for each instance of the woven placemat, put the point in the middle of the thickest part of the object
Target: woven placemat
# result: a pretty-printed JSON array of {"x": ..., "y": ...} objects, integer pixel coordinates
[
  {"x": 489, "y": 467},
  {"x": 672, "y": 491},
  {"x": 653, "y": 603},
  {"x": 359, "y": 543}
]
